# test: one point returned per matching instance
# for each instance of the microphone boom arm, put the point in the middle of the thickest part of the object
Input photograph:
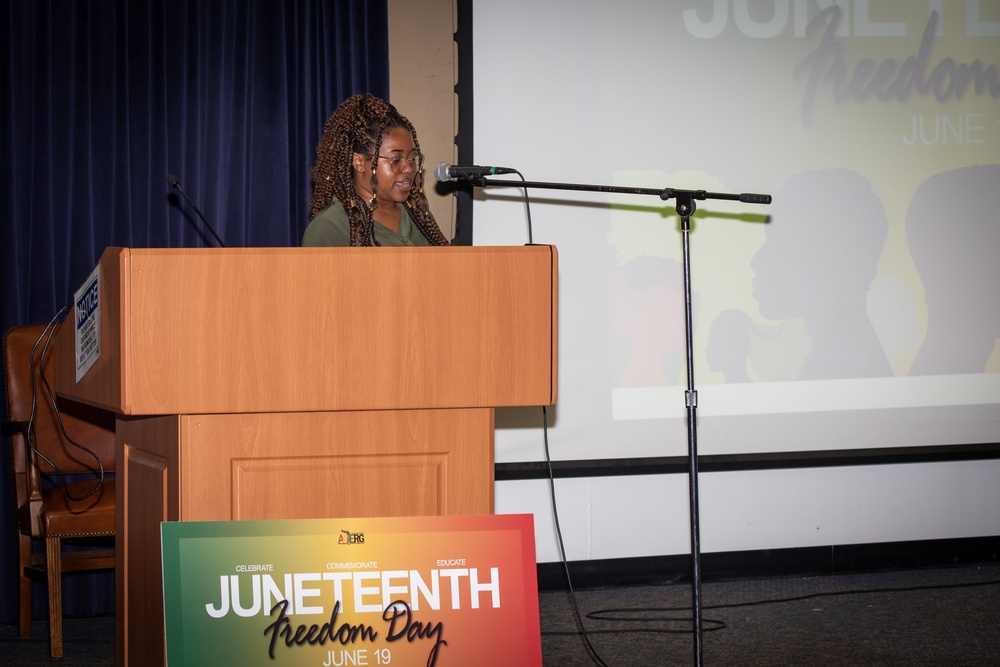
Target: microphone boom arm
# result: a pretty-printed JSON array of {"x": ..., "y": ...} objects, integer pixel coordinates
[{"x": 663, "y": 193}]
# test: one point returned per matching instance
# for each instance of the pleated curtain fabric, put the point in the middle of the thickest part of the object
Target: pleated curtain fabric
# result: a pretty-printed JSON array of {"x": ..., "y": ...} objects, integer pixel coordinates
[{"x": 103, "y": 99}]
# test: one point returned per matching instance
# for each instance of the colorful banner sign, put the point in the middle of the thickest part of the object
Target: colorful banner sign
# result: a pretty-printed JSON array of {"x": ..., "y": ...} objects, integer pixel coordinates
[{"x": 458, "y": 590}]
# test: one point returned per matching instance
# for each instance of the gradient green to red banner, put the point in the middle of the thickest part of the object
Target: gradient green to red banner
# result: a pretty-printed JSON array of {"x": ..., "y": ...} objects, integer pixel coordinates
[{"x": 441, "y": 591}]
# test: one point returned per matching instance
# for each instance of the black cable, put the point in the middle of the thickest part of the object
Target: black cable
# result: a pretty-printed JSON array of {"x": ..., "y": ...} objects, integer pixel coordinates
[
  {"x": 635, "y": 631},
  {"x": 47, "y": 334},
  {"x": 860, "y": 591},
  {"x": 562, "y": 549},
  {"x": 552, "y": 490},
  {"x": 527, "y": 208},
  {"x": 615, "y": 614}
]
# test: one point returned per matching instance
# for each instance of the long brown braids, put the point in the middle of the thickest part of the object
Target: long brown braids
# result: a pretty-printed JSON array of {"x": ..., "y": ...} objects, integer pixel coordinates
[{"x": 357, "y": 126}]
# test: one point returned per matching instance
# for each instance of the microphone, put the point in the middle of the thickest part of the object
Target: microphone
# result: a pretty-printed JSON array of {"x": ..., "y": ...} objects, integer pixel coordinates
[
  {"x": 446, "y": 172},
  {"x": 172, "y": 180}
]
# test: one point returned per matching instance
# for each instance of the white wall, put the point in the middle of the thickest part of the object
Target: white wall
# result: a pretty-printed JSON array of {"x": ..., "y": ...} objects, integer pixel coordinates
[{"x": 622, "y": 517}]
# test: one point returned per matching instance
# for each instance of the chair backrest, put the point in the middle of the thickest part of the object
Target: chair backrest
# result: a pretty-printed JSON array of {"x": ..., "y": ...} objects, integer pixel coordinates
[{"x": 90, "y": 427}]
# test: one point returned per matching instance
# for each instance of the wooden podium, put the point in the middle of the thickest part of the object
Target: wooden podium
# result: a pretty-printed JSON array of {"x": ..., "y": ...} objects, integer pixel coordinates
[{"x": 287, "y": 383}]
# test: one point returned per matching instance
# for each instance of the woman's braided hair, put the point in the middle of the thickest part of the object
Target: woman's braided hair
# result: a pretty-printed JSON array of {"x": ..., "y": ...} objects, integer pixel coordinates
[{"x": 357, "y": 126}]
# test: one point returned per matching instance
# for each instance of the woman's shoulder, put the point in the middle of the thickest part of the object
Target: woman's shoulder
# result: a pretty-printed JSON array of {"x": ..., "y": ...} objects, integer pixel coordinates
[{"x": 329, "y": 227}]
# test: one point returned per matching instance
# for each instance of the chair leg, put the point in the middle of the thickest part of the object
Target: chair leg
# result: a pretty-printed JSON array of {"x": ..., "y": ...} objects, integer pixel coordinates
[
  {"x": 53, "y": 570},
  {"x": 24, "y": 586}
]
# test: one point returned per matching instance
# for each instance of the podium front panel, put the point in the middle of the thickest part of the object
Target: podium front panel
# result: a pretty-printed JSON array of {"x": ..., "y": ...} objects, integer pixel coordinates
[{"x": 228, "y": 330}]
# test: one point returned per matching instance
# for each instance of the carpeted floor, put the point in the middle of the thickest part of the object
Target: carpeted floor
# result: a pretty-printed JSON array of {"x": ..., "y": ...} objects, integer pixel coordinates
[
  {"x": 922, "y": 618},
  {"x": 925, "y": 618}
]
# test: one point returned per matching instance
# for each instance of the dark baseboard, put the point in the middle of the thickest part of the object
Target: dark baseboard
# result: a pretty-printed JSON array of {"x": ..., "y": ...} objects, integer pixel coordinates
[
  {"x": 679, "y": 465},
  {"x": 774, "y": 563}
]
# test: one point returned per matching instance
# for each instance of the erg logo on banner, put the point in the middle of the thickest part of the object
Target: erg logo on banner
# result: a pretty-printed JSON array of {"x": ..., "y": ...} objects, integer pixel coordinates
[{"x": 350, "y": 538}]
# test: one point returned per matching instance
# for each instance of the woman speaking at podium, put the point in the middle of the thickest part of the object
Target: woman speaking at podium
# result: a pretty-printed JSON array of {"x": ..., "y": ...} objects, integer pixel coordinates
[{"x": 367, "y": 181}]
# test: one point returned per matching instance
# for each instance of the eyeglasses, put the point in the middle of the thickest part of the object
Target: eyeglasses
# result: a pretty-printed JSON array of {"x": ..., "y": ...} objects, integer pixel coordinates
[{"x": 415, "y": 161}]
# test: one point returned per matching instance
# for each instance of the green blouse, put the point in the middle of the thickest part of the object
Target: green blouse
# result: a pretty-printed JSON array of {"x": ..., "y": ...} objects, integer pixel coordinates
[{"x": 331, "y": 227}]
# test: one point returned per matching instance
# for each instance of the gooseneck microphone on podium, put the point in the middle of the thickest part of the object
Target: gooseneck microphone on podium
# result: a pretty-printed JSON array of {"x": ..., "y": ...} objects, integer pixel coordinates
[{"x": 172, "y": 180}]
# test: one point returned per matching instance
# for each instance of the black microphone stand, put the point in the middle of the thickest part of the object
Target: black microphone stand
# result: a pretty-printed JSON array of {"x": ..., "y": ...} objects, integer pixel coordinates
[{"x": 685, "y": 208}]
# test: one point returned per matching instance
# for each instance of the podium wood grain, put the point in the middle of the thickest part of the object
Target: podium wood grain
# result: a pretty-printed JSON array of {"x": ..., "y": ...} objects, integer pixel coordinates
[{"x": 305, "y": 329}]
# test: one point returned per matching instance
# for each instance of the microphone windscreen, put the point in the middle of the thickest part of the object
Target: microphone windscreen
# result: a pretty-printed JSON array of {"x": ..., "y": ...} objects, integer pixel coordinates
[{"x": 441, "y": 173}]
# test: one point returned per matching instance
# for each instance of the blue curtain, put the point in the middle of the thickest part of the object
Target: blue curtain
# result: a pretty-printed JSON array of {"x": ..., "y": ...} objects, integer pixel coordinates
[{"x": 103, "y": 99}]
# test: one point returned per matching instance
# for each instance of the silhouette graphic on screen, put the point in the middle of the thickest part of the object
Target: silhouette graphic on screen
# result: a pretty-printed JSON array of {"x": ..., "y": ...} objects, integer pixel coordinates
[
  {"x": 953, "y": 230},
  {"x": 818, "y": 259},
  {"x": 728, "y": 348},
  {"x": 647, "y": 311}
]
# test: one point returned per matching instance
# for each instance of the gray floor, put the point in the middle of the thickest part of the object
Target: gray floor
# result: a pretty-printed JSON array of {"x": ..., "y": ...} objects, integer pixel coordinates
[
  {"x": 924, "y": 618},
  {"x": 947, "y": 617}
]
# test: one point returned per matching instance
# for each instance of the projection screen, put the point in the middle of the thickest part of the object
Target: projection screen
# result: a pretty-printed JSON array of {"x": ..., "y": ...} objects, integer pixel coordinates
[{"x": 861, "y": 309}]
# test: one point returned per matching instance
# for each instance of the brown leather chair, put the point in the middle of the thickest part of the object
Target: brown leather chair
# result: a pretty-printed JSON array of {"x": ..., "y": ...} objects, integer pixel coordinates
[{"x": 48, "y": 512}]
